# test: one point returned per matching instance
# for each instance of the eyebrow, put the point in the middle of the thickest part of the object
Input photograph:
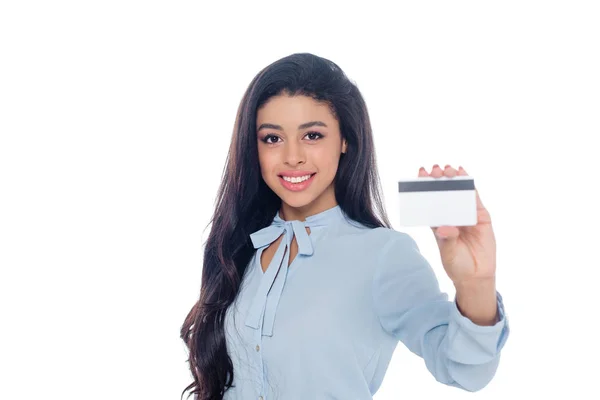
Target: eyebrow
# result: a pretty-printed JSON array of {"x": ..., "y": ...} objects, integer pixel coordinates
[{"x": 300, "y": 127}]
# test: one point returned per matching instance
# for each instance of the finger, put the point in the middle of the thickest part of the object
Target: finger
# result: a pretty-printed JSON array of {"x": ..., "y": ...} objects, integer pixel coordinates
[
  {"x": 422, "y": 172},
  {"x": 436, "y": 171},
  {"x": 447, "y": 232},
  {"x": 461, "y": 171},
  {"x": 449, "y": 171}
]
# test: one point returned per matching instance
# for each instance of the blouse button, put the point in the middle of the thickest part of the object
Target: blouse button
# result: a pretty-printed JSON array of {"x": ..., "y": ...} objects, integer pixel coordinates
[{"x": 257, "y": 347}]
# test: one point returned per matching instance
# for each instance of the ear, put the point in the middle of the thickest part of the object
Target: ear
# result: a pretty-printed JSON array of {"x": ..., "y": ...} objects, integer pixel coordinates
[{"x": 344, "y": 146}]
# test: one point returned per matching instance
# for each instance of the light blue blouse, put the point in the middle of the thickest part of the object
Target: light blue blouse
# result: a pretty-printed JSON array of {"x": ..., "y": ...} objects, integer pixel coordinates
[{"x": 326, "y": 326}]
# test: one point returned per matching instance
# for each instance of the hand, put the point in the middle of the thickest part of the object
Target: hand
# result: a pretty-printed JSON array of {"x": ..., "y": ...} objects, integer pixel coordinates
[{"x": 468, "y": 253}]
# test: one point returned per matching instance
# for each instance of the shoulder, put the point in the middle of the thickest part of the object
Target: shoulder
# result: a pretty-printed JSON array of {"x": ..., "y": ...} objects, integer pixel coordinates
[
  {"x": 391, "y": 240},
  {"x": 396, "y": 255},
  {"x": 380, "y": 244},
  {"x": 401, "y": 265}
]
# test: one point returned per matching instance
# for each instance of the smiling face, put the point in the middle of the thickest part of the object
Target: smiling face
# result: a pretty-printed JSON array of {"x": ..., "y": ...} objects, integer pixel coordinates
[{"x": 299, "y": 138}]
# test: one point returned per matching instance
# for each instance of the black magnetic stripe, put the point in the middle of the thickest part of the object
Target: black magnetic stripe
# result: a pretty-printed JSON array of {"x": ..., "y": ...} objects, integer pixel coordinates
[{"x": 436, "y": 185}]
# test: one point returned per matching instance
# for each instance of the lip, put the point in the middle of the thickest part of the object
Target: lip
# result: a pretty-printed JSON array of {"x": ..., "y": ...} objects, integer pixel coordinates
[
  {"x": 297, "y": 187},
  {"x": 295, "y": 173}
]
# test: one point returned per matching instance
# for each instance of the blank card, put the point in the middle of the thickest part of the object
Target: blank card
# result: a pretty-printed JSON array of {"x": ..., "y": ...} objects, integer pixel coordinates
[{"x": 433, "y": 202}]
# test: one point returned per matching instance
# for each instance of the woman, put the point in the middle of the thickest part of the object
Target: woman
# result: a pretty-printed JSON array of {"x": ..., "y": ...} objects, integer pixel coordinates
[{"x": 306, "y": 289}]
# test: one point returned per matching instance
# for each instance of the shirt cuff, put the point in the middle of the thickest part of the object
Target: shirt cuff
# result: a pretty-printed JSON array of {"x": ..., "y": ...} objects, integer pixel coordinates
[{"x": 470, "y": 343}]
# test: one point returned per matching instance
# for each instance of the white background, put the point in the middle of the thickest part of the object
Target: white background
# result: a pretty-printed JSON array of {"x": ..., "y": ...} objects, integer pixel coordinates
[{"x": 115, "y": 120}]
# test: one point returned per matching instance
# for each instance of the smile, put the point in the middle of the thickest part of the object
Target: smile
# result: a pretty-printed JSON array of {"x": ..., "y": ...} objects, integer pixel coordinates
[{"x": 296, "y": 184}]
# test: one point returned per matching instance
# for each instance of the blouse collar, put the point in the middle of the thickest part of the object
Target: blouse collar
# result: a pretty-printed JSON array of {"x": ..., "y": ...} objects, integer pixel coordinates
[
  {"x": 268, "y": 235},
  {"x": 272, "y": 283}
]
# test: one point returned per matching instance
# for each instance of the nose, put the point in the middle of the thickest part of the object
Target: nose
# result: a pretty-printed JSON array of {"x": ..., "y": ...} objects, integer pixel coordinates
[{"x": 294, "y": 154}]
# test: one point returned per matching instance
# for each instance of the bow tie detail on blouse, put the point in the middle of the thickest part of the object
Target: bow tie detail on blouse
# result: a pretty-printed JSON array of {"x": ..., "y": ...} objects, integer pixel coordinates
[{"x": 266, "y": 300}]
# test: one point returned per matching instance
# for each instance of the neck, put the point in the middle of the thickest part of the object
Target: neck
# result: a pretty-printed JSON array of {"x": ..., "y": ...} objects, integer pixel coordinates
[{"x": 289, "y": 213}]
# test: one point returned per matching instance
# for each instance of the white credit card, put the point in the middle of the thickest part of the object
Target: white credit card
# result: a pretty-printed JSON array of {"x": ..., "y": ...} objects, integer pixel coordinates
[{"x": 433, "y": 202}]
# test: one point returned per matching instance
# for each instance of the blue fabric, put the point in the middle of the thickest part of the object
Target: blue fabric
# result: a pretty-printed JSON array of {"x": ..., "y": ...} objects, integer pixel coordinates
[{"x": 326, "y": 326}]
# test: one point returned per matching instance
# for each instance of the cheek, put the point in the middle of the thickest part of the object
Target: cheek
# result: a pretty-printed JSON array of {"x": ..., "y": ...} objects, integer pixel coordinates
[
  {"x": 327, "y": 160},
  {"x": 267, "y": 164}
]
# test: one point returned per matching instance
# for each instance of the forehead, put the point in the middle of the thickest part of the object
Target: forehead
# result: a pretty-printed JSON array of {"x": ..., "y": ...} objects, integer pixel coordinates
[{"x": 284, "y": 109}]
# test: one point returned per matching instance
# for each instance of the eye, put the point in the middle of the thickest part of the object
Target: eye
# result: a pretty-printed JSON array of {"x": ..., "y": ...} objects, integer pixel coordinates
[
  {"x": 266, "y": 139},
  {"x": 318, "y": 135},
  {"x": 313, "y": 137}
]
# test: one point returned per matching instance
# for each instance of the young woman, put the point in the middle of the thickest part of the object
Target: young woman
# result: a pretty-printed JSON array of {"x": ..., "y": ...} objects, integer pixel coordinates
[{"x": 306, "y": 289}]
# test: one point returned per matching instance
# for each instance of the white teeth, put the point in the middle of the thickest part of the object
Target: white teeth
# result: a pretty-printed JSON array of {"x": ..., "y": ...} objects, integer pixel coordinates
[{"x": 296, "y": 180}]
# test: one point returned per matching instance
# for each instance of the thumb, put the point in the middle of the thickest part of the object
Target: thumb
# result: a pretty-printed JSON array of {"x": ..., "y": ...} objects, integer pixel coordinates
[{"x": 446, "y": 234}]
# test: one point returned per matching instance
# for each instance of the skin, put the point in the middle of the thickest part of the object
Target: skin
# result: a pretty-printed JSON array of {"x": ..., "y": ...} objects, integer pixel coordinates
[
  {"x": 291, "y": 148},
  {"x": 468, "y": 254},
  {"x": 314, "y": 149}
]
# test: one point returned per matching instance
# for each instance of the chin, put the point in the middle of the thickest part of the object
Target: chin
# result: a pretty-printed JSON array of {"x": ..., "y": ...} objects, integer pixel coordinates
[
  {"x": 300, "y": 199},
  {"x": 297, "y": 201}
]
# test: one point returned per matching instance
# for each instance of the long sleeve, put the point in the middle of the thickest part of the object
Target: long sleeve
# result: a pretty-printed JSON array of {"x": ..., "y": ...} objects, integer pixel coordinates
[{"x": 410, "y": 306}]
